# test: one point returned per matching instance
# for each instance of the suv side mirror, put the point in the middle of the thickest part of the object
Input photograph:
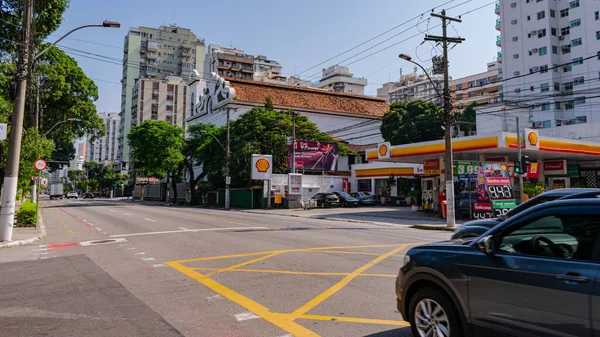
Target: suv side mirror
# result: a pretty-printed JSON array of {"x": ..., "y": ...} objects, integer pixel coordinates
[{"x": 487, "y": 245}]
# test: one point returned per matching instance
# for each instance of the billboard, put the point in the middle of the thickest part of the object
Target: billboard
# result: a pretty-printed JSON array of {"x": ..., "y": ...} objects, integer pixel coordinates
[
  {"x": 314, "y": 155},
  {"x": 494, "y": 195},
  {"x": 262, "y": 167}
]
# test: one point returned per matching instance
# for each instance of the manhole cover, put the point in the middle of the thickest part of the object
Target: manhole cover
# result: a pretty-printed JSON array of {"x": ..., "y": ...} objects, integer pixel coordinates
[{"x": 102, "y": 242}]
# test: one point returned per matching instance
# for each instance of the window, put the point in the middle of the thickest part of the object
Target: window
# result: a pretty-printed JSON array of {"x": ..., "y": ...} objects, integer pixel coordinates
[
  {"x": 531, "y": 88},
  {"x": 578, "y": 80},
  {"x": 580, "y": 119},
  {"x": 545, "y": 106},
  {"x": 557, "y": 86},
  {"x": 541, "y": 33},
  {"x": 471, "y": 84},
  {"x": 576, "y": 42},
  {"x": 553, "y": 31},
  {"x": 544, "y": 69},
  {"x": 557, "y": 105},
  {"x": 565, "y": 31},
  {"x": 547, "y": 124},
  {"x": 575, "y": 23},
  {"x": 554, "y": 49},
  {"x": 579, "y": 100},
  {"x": 528, "y": 17},
  {"x": 567, "y": 68},
  {"x": 566, "y": 49},
  {"x": 544, "y": 87},
  {"x": 552, "y": 13},
  {"x": 597, "y": 15},
  {"x": 459, "y": 86},
  {"x": 568, "y": 86},
  {"x": 543, "y": 51},
  {"x": 598, "y": 35},
  {"x": 569, "y": 105},
  {"x": 564, "y": 12},
  {"x": 555, "y": 67},
  {"x": 598, "y": 56},
  {"x": 574, "y": 4},
  {"x": 541, "y": 15},
  {"x": 577, "y": 61}
]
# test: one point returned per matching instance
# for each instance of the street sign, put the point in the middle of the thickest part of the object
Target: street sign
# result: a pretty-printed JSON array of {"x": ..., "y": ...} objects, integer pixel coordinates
[
  {"x": 40, "y": 164},
  {"x": 228, "y": 180},
  {"x": 3, "y": 128}
]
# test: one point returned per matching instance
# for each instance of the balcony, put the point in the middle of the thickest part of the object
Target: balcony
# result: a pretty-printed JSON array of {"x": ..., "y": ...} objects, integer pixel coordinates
[
  {"x": 248, "y": 69},
  {"x": 236, "y": 67},
  {"x": 498, "y": 25},
  {"x": 151, "y": 56},
  {"x": 499, "y": 58},
  {"x": 152, "y": 46},
  {"x": 186, "y": 53},
  {"x": 497, "y": 9},
  {"x": 499, "y": 41},
  {"x": 151, "y": 71}
]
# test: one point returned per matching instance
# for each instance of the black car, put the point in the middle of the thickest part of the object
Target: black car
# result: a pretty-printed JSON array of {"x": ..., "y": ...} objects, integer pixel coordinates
[
  {"x": 535, "y": 274},
  {"x": 477, "y": 227},
  {"x": 326, "y": 200},
  {"x": 346, "y": 200},
  {"x": 88, "y": 195}
]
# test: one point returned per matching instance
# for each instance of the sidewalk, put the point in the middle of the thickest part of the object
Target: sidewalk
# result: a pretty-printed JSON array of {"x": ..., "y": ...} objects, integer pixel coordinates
[{"x": 26, "y": 235}]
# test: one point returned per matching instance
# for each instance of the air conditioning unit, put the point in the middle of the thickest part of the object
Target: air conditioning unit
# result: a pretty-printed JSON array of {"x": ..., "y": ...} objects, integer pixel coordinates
[
  {"x": 513, "y": 5},
  {"x": 535, "y": 68},
  {"x": 534, "y": 50},
  {"x": 517, "y": 90},
  {"x": 516, "y": 73},
  {"x": 562, "y": 37},
  {"x": 514, "y": 22},
  {"x": 516, "y": 56},
  {"x": 533, "y": 32},
  {"x": 515, "y": 38}
]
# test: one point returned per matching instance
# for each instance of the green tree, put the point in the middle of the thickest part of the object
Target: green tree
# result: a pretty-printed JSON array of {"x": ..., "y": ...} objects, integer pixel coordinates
[
  {"x": 156, "y": 147},
  {"x": 92, "y": 170},
  {"x": 468, "y": 115},
  {"x": 110, "y": 178},
  {"x": 64, "y": 152},
  {"x": 412, "y": 122},
  {"x": 75, "y": 176}
]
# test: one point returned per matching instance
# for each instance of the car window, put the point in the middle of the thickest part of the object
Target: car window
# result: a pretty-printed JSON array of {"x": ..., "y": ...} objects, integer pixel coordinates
[
  {"x": 563, "y": 236},
  {"x": 530, "y": 203}
]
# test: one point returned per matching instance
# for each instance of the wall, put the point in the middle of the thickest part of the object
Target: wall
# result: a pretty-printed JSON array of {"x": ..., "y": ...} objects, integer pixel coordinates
[
  {"x": 496, "y": 118},
  {"x": 585, "y": 131},
  {"x": 311, "y": 184}
]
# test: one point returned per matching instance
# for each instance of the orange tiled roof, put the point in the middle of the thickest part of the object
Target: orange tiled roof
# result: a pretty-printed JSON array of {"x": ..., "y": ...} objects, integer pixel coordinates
[{"x": 308, "y": 98}]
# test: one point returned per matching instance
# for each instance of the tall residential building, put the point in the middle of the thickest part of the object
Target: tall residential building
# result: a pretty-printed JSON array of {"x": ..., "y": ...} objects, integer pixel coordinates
[
  {"x": 384, "y": 91},
  {"x": 340, "y": 79},
  {"x": 417, "y": 87},
  {"x": 551, "y": 61},
  {"x": 266, "y": 70},
  {"x": 105, "y": 148},
  {"x": 164, "y": 100},
  {"x": 155, "y": 53},
  {"x": 478, "y": 88},
  {"x": 228, "y": 62},
  {"x": 80, "y": 155}
]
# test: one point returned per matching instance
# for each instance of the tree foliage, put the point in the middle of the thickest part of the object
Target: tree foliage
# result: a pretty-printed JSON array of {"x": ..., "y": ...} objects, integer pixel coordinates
[
  {"x": 64, "y": 152},
  {"x": 111, "y": 178},
  {"x": 468, "y": 115},
  {"x": 412, "y": 122},
  {"x": 156, "y": 147}
]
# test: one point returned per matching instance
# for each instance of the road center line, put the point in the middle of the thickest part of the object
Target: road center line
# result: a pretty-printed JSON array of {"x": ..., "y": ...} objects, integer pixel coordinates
[
  {"x": 185, "y": 230},
  {"x": 126, "y": 213},
  {"x": 149, "y": 220}
]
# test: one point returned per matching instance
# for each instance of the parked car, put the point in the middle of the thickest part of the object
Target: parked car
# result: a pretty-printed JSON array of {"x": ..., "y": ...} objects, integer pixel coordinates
[
  {"x": 477, "y": 227},
  {"x": 534, "y": 274},
  {"x": 326, "y": 200},
  {"x": 364, "y": 198},
  {"x": 72, "y": 195},
  {"x": 346, "y": 200},
  {"x": 88, "y": 195}
]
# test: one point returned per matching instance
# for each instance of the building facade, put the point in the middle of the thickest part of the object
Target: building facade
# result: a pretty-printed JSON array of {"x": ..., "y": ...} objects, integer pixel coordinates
[
  {"x": 417, "y": 87},
  {"x": 80, "y": 155},
  {"x": 384, "y": 91},
  {"x": 159, "y": 100},
  {"x": 105, "y": 148},
  {"x": 478, "y": 88},
  {"x": 340, "y": 79},
  {"x": 229, "y": 62},
  {"x": 551, "y": 61},
  {"x": 155, "y": 53}
]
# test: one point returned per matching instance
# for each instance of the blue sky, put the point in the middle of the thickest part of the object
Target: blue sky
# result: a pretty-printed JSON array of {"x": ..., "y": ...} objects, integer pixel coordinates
[{"x": 298, "y": 34}]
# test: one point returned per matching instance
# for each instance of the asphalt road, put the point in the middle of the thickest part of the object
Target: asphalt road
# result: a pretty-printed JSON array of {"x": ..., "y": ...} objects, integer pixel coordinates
[{"x": 115, "y": 268}]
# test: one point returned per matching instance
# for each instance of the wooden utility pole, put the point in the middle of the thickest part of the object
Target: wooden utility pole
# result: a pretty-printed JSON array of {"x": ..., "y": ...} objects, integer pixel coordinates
[{"x": 448, "y": 167}]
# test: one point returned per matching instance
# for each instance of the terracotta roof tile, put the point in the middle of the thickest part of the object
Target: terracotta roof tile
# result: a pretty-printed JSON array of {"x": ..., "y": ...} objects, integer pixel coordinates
[{"x": 308, "y": 98}]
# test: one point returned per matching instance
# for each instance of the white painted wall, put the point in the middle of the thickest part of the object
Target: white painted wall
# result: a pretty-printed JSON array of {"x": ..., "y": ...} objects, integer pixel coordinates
[{"x": 585, "y": 132}]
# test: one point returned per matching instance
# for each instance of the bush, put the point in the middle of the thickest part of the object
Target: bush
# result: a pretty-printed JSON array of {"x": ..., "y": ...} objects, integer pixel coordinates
[{"x": 26, "y": 215}]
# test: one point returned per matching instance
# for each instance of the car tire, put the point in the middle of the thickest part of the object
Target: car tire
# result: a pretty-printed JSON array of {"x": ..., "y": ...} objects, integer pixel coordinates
[{"x": 430, "y": 299}]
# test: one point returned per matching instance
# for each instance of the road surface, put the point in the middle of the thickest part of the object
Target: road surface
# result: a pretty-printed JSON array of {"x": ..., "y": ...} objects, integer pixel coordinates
[{"x": 117, "y": 268}]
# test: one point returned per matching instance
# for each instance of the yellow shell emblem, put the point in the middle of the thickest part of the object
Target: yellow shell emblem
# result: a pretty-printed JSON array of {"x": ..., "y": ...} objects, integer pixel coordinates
[
  {"x": 503, "y": 167},
  {"x": 383, "y": 150},
  {"x": 262, "y": 165},
  {"x": 532, "y": 137}
]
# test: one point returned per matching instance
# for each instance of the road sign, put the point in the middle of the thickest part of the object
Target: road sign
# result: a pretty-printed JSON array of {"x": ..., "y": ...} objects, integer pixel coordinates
[
  {"x": 40, "y": 164},
  {"x": 3, "y": 131}
]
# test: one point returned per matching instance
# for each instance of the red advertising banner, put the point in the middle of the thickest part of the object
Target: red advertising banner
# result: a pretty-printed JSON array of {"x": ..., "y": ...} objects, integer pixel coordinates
[
  {"x": 555, "y": 167},
  {"x": 313, "y": 155},
  {"x": 431, "y": 167},
  {"x": 533, "y": 170}
]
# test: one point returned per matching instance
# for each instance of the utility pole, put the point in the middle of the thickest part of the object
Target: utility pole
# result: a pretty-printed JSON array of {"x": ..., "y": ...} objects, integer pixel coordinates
[
  {"x": 7, "y": 212},
  {"x": 293, "y": 142},
  {"x": 521, "y": 197},
  {"x": 227, "y": 177},
  {"x": 449, "y": 163}
]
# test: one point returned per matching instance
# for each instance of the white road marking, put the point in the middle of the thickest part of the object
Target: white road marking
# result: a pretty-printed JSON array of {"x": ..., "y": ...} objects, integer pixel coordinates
[
  {"x": 126, "y": 213},
  {"x": 142, "y": 253},
  {"x": 132, "y": 248},
  {"x": 187, "y": 230},
  {"x": 149, "y": 220},
  {"x": 98, "y": 228},
  {"x": 40, "y": 250},
  {"x": 99, "y": 242},
  {"x": 111, "y": 210},
  {"x": 213, "y": 297},
  {"x": 148, "y": 259},
  {"x": 288, "y": 335},
  {"x": 183, "y": 228},
  {"x": 42, "y": 246},
  {"x": 159, "y": 265},
  {"x": 244, "y": 316}
]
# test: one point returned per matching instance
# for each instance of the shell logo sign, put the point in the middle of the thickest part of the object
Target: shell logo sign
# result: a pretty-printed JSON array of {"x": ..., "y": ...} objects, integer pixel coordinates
[
  {"x": 262, "y": 167},
  {"x": 532, "y": 139},
  {"x": 384, "y": 150}
]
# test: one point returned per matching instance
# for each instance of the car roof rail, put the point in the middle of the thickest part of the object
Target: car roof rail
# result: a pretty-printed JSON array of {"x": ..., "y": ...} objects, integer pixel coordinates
[{"x": 582, "y": 195}]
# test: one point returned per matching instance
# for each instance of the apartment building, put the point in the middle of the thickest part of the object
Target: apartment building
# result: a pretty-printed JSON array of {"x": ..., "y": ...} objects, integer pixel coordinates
[
  {"x": 266, "y": 70},
  {"x": 551, "y": 61},
  {"x": 417, "y": 87},
  {"x": 155, "y": 53},
  {"x": 478, "y": 88},
  {"x": 384, "y": 91},
  {"x": 229, "y": 62},
  {"x": 340, "y": 79},
  {"x": 105, "y": 148},
  {"x": 159, "y": 100},
  {"x": 80, "y": 155}
]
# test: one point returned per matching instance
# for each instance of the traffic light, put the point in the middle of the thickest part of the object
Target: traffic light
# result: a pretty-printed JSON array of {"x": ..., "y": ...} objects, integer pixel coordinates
[
  {"x": 521, "y": 166},
  {"x": 123, "y": 166}
]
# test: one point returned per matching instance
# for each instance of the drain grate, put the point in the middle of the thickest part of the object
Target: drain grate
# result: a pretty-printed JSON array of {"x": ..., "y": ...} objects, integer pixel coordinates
[{"x": 102, "y": 242}]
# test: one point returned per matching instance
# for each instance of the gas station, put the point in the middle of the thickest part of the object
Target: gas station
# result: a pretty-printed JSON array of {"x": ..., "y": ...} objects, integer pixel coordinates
[{"x": 555, "y": 162}]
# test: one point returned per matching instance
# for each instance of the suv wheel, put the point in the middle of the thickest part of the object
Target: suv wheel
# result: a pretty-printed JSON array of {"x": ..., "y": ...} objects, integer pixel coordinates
[{"x": 431, "y": 313}]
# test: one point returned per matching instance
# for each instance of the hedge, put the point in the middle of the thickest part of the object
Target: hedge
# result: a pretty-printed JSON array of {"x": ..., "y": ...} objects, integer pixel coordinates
[{"x": 26, "y": 215}]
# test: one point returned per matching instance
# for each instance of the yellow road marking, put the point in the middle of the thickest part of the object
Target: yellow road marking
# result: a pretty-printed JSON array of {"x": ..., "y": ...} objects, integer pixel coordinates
[
  {"x": 354, "y": 320},
  {"x": 336, "y": 287},
  {"x": 238, "y": 223},
  {"x": 63, "y": 223},
  {"x": 70, "y": 231},
  {"x": 283, "y": 321},
  {"x": 242, "y": 264},
  {"x": 291, "y": 272}
]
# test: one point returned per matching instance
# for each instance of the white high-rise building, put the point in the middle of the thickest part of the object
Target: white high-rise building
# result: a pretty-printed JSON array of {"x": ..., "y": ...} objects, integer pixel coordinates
[
  {"x": 340, "y": 79},
  {"x": 105, "y": 149},
  {"x": 551, "y": 62}
]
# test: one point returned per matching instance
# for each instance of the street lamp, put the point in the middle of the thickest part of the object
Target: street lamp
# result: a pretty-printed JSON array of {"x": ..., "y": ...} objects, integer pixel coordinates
[
  {"x": 61, "y": 122},
  {"x": 11, "y": 175},
  {"x": 227, "y": 178},
  {"x": 448, "y": 167}
]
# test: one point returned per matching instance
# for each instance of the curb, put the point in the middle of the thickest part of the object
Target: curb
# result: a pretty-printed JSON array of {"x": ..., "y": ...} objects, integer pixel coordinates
[
  {"x": 30, "y": 240},
  {"x": 434, "y": 228}
]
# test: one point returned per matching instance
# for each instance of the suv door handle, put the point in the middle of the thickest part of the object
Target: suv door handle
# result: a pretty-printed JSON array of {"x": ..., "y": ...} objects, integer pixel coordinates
[{"x": 573, "y": 277}]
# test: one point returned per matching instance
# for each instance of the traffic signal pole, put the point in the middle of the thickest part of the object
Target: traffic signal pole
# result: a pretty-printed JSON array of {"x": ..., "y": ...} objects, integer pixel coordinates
[{"x": 521, "y": 192}]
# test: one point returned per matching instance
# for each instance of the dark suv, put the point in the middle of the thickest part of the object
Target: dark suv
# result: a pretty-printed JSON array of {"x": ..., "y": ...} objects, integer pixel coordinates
[
  {"x": 535, "y": 274},
  {"x": 477, "y": 227}
]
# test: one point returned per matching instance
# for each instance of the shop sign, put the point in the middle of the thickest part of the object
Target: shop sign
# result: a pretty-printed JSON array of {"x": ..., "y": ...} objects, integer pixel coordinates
[
  {"x": 555, "y": 167},
  {"x": 262, "y": 167},
  {"x": 532, "y": 139},
  {"x": 384, "y": 150},
  {"x": 431, "y": 167},
  {"x": 419, "y": 170},
  {"x": 494, "y": 195},
  {"x": 467, "y": 169},
  {"x": 533, "y": 170},
  {"x": 345, "y": 185},
  {"x": 294, "y": 183}
]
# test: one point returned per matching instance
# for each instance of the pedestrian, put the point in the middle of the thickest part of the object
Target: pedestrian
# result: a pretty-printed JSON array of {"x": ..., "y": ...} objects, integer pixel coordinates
[{"x": 441, "y": 197}]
